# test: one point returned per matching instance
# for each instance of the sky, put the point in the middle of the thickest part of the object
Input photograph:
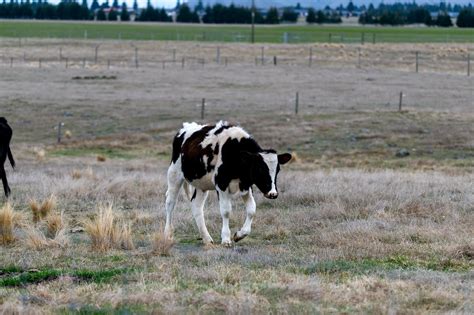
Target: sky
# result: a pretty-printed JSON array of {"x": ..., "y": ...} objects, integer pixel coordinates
[{"x": 314, "y": 3}]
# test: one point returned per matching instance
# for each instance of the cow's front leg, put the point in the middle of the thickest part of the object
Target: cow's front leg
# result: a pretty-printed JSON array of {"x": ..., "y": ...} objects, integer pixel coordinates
[
  {"x": 250, "y": 207},
  {"x": 226, "y": 208}
]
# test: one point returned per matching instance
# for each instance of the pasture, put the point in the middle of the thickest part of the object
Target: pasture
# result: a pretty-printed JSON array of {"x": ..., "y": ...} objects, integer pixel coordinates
[
  {"x": 234, "y": 33},
  {"x": 358, "y": 227}
]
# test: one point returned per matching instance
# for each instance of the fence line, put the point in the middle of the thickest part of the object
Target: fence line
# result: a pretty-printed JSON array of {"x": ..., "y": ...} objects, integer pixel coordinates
[{"x": 358, "y": 57}]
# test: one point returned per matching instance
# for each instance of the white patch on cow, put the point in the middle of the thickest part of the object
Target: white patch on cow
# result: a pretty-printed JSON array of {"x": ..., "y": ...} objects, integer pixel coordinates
[
  {"x": 188, "y": 129},
  {"x": 271, "y": 159}
]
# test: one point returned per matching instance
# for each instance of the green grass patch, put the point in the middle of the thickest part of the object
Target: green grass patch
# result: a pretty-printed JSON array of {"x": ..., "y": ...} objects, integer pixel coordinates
[
  {"x": 367, "y": 265},
  {"x": 233, "y": 33},
  {"x": 33, "y": 277}
]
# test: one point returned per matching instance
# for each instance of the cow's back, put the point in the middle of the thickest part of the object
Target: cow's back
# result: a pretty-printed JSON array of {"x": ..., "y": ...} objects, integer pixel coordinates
[{"x": 203, "y": 149}]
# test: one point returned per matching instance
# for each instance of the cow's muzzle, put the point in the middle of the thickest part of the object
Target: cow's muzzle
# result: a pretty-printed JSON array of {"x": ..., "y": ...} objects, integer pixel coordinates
[{"x": 271, "y": 195}]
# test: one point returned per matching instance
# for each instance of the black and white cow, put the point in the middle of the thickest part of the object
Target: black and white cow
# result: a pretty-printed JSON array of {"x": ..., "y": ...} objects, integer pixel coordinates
[
  {"x": 224, "y": 158},
  {"x": 5, "y": 137}
]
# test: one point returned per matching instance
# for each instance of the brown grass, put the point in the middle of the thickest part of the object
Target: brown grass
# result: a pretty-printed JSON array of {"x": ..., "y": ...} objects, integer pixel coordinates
[
  {"x": 126, "y": 240},
  {"x": 68, "y": 134},
  {"x": 7, "y": 224},
  {"x": 161, "y": 244},
  {"x": 101, "y": 158},
  {"x": 105, "y": 233},
  {"x": 54, "y": 224},
  {"x": 35, "y": 239},
  {"x": 42, "y": 211}
]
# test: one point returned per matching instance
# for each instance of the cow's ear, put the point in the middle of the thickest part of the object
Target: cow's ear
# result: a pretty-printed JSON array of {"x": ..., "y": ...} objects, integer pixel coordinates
[
  {"x": 246, "y": 157},
  {"x": 284, "y": 158}
]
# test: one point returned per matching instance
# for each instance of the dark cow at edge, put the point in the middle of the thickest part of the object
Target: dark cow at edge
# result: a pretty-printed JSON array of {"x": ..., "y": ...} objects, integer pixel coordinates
[
  {"x": 5, "y": 137},
  {"x": 224, "y": 158}
]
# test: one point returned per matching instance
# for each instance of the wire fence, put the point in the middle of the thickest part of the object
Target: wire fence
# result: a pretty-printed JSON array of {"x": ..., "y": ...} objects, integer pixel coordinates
[{"x": 454, "y": 59}]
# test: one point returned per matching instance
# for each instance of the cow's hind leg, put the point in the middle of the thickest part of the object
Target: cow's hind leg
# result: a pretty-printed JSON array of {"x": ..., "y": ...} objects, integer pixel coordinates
[
  {"x": 226, "y": 208},
  {"x": 250, "y": 207},
  {"x": 175, "y": 181},
  {"x": 197, "y": 205}
]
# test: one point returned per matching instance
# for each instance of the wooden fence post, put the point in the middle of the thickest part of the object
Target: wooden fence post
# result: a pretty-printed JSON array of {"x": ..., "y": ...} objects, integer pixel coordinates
[
  {"x": 96, "y": 57},
  {"x": 11, "y": 62},
  {"x": 400, "y": 102},
  {"x": 218, "y": 55},
  {"x": 416, "y": 61},
  {"x": 359, "y": 58},
  {"x": 274, "y": 60},
  {"x": 297, "y": 100},
  {"x": 39, "y": 63},
  {"x": 60, "y": 124},
  {"x": 136, "y": 57},
  {"x": 263, "y": 56},
  {"x": 203, "y": 106},
  {"x": 468, "y": 64},
  {"x": 310, "y": 56}
]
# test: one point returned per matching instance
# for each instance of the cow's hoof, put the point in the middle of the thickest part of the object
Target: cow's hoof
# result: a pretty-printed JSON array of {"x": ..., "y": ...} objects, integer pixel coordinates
[
  {"x": 227, "y": 243},
  {"x": 238, "y": 238}
]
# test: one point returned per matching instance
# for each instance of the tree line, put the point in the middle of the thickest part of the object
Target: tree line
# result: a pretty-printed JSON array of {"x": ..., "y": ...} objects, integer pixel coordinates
[
  {"x": 411, "y": 13},
  {"x": 384, "y": 14}
]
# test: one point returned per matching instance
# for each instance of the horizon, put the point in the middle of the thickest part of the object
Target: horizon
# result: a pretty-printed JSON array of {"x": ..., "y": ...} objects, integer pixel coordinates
[{"x": 317, "y": 4}]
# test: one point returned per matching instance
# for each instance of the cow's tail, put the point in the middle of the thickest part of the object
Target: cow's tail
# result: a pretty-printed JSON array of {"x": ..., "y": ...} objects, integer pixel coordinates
[
  {"x": 10, "y": 157},
  {"x": 188, "y": 190}
]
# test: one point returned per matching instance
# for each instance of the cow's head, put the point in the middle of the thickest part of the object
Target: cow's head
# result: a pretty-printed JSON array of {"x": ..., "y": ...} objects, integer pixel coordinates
[{"x": 264, "y": 168}]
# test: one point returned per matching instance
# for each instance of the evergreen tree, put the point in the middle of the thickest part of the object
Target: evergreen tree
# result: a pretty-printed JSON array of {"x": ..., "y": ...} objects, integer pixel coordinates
[
  {"x": 272, "y": 16},
  {"x": 185, "y": 15},
  {"x": 135, "y": 6},
  {"x": 289, "y": 15},
  {"x": 95, "y": 5},
  {"x": 444, "y": 20},
  {"x": 115, "y": 4},
  {"x": 465, "y": 18},
  {"x": 101, "y": 15},
  {"x": 112, "y": 15},
  {"x": 311, "y": 17},
  {"x": 124, "y": 15}
]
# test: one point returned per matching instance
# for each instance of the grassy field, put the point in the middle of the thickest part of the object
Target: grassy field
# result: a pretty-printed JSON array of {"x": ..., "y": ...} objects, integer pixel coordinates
[
  {"x": 356, "y": 228},
  {"x": 231, "y": 33}
]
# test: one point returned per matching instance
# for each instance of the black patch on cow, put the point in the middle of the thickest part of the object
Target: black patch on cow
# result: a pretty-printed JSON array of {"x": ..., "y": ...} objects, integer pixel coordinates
[
  {"x": 192, "y": 155},
  {"x": 261, "y": 174},
  {"x": 222, "y": 128},
  {"x": 177, "y": 143},
  {"x": 194, "y": 195},
  {"x": 233, "y": 166}
]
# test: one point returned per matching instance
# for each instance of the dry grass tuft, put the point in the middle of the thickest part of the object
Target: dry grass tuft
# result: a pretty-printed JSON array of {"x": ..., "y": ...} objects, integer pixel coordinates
[
  {"x": 105, "y": 233},
  {"x": 102, "y": 230},
  {"x": 54, "y": 224},
  {"x": 101, "y": 158},
  {"x": 68, "y": 134},
  {"x": 87, "y": 173},
  {"x": 126, "y": 240},
  {"x": 295, "y": 158},
  {"x": 35, "y": 239},
  {"x": 40, "y": 154},
  {"x": 161, "y": 244},
  {"x": 42, "y": 211},
  {"x": 47, "y": 206},
  {"x": 35, "y": 209},
  {"x": 7, "y": 224}
]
